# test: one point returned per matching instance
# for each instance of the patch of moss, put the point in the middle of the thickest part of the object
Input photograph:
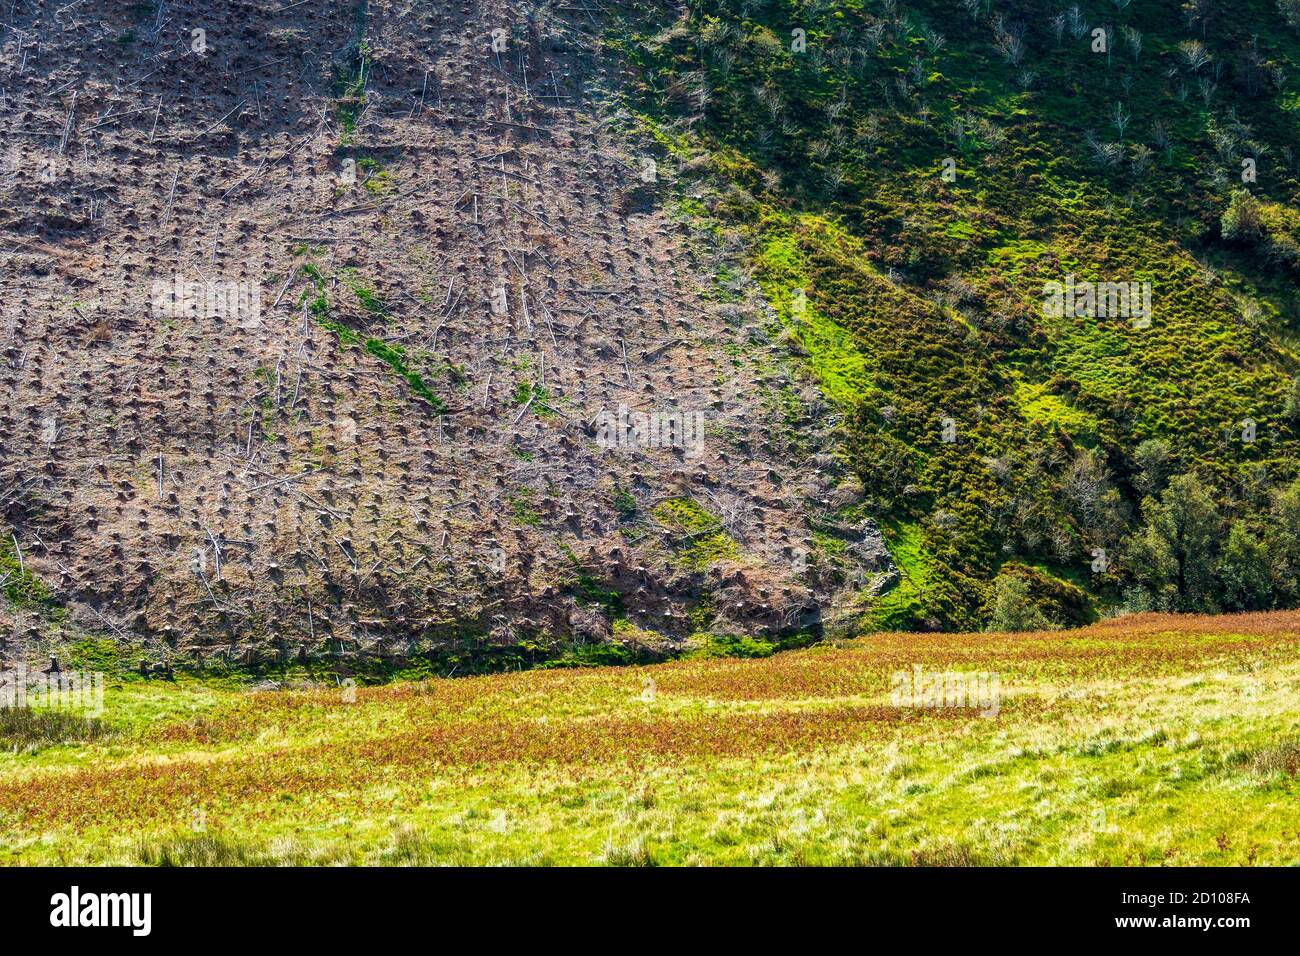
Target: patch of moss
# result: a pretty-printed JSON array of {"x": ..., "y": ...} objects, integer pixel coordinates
[
  {"x": 369, "y": 299},
  {"x": 537, "y": 397},
  {"x": 700, "y": 539},
  {"x": 624, "y": 505},
  {"x": 589, "y": 590},
  {"x": 711, "y": 645},
  {"x": 24, "y": 589},
  {"x": 394, "y": 356},
  {"x": 521, "y": 506},
  {"x": 378, "y": 181}
]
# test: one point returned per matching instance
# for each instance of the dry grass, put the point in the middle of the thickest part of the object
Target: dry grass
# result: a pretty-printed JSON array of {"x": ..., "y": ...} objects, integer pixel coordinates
[{"x": 798, "y": 758}]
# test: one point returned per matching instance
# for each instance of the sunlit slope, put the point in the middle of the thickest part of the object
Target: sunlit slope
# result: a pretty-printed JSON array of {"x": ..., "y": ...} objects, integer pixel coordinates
[
  {"x": 907, "y": 180},
  {"x": 1150, "y": 740}
]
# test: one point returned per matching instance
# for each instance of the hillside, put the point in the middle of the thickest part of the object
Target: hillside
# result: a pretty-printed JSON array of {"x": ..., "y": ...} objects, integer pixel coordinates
[
  {"x": 1170, "y": 740},
  {"x": 319, "y": 347},
  {"x": 388, "y": 336},
  {"x": 910, "y": 181}
]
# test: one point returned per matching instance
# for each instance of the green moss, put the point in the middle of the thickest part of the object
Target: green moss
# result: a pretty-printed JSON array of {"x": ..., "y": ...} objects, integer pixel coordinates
[
  {"x": 700, "y": 541},
  {"x": 624, "y": 504},
  {"x": 685, "y": 515},
  {"x": 832, "y": 351},
  {"x": 903, "y": 606},
  {"x": 521, "y": 506},
  {"x": 378, "y": 181},
  {"x": 22, "y": 588},
  {"x": 707, "y": 550},
  {"x": 103, "y": 656},
  {"x": 711, "y": 645},
  {"x": 394, "y": 356},
  {"x": 350, "y": 82},
  {"x": 369, "y": 299},
  {"x": 675, "y": 144},
  {"x": 588, "y": 589},
  {"x": 537, "y": 397}
]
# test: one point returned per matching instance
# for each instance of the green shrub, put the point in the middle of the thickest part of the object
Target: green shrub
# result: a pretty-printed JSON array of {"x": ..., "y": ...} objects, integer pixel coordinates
[
  {"x": 1013, "y": 608},
  {"x": 1242, "y": 221}
]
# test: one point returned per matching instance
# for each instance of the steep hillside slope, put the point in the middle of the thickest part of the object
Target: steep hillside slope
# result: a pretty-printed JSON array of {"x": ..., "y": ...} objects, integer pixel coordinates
[
  {"x": 1041, "y": 254},
  {"x": 493, "y": 334},
  {"x": 326, "y": 332}
]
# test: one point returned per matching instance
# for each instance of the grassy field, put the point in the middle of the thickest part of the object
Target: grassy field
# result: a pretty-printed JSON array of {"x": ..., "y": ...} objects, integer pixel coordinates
[{"x": 1144, "y": 740}]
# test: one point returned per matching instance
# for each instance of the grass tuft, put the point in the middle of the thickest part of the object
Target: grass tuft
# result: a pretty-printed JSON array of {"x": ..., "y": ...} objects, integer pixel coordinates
[{"x": 27, "y": 729}]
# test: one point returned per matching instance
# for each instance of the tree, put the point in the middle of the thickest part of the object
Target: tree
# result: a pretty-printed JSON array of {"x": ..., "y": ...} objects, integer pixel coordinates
[
  {"x": 1291, "y": 407},
  {"x": 1290, "y": 10},
  {"x": 1200, "y": 13},
  {"x": 1173, "y": 554},
  {"x": 1152, "y": 460},
  {"x": 1282, "y": 543},
  {"x": 1245, "y": 583},
  {"x": 1085, "y": 484},
  {"x": 1089, "y": 497},
  {"x": 1013, "y": 608}
]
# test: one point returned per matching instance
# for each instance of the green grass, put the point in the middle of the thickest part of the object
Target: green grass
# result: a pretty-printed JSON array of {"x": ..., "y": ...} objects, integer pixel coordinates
[
  {"x": 729, "y": 645},
  {"x": 1039, "y": 405},
  {"x": 350, "y": 77},
  {"x": 839, "y": 363},
  {"x": 367, "y": 296},
  {"x": 521, "y": 506},
  {"x": 1149, "y": 741},
  {"x": 538, "y": 398},
  {"x": 22, "y": 588},
  {"x": 903, "y": 606},
  {"x": 27, "y": 729},
  {"x": 394, "y": 356},
  {"x": 699, "y": 540}
]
